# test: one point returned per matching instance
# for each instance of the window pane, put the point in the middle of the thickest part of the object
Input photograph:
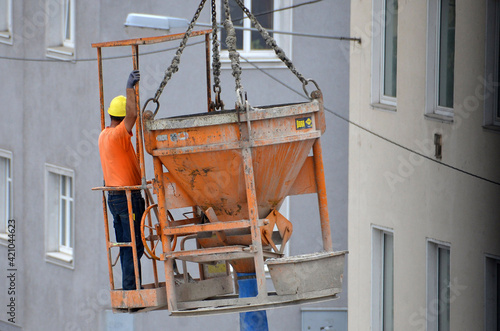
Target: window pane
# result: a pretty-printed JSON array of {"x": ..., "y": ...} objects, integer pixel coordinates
[
  {"x": 388, "y": 281},
  {"x": 62, "y": 222},
  {"x": 9, "y": 202},
  {"x": 9, "y": 193},
  {"x": 390, "y": 47},
  {"x": 443, "y": 289},
  {"x": 67, "y": 20},
  {"x": 262, "y": 9},
  {"x": 70, "y": 224},
  {"x": 3, "y": 193},
  {"x": 446, "y": 53},
  {"x": 4, "y": 15},
  {"x": 8, "y": 171},
  {"x": 70, "y": 187},
  {"x": 63, "y": 185},
  {"x": 237, "y": 18}
]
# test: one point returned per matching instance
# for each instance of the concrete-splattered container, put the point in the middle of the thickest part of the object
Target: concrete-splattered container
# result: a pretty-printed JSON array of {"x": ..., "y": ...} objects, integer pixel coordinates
[{"x": 308, "y": 272}]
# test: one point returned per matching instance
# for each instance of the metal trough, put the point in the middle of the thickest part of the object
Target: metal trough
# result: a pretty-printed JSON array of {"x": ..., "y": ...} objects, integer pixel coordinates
[{"x": 307, "y": 273}]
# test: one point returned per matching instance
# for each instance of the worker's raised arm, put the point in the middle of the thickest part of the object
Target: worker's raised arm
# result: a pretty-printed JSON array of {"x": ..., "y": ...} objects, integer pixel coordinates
[{"x": 131, "y": 108}]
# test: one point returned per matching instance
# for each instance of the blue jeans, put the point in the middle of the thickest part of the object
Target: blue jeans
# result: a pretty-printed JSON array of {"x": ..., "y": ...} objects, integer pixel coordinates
[{"x": 118, "y": 207}]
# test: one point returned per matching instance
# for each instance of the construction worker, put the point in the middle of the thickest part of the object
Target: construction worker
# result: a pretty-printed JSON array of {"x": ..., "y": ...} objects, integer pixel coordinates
[{"x": 121, "y": 168}]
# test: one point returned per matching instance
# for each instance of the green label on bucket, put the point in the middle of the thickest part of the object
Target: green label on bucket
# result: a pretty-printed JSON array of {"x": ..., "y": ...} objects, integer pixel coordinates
[{"x": 303, "y": 123}]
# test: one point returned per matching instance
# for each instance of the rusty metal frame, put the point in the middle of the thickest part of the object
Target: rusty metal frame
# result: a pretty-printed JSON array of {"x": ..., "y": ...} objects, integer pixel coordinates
[
  {"x": 311, "y": 179},
  {"x": 129, "y": 297},
  {"x": 314, "y": 183}
]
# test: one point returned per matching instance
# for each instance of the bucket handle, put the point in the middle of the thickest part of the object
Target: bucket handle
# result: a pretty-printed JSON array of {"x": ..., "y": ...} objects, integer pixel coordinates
[
  {"x": 304, "y": 84},
  {"x": 157, "y": 106}
]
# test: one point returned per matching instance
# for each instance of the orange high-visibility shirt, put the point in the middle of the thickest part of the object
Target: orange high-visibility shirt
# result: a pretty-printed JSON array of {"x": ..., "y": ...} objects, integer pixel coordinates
[{"x": 118, "y": 158}]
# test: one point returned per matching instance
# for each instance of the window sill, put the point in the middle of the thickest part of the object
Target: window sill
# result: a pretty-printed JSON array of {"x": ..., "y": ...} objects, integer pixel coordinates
[
  {"x": 61, "y": 53},
  {"x": 4, "y": 239},
  {"x": 491, "y": 128},
  {"x": 6, "y": 37},
  {"x": 439, "y": 118},
  {"x": 61, "y": 259},
  {"x": 385, "y": 107}
]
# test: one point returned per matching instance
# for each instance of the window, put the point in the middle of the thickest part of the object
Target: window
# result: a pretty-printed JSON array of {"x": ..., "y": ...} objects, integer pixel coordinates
[
  {"x": 385, "y": 52},
  {"x": 6, "y": 188},
  {"x": 250, "y": 44},
  {"x": 61, "y": 31},
  {"x": 438, "y": 286},
  {"x": 441, "y": 57},
  {"x": 68, "y": 30},
  {"x": 59, "y": 215},
  {"x": 492, "y": 292},
  {"x": 65, "y": 214},
  {"x": 382, "y": 279},
  {"x": 6, "y": 21},
  {"x": 492, "y": 74}
]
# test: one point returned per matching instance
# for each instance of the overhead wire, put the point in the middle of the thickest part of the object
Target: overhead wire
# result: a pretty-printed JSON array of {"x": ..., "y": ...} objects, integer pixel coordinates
[
  {"x": 343, "y": 118},
  {"x": 94, "y": 59},
  {"x": 192, "y": 44}
]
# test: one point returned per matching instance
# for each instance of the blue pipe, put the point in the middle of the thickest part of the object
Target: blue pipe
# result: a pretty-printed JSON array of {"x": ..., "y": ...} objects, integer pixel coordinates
[{"x": 253, "y": 320}]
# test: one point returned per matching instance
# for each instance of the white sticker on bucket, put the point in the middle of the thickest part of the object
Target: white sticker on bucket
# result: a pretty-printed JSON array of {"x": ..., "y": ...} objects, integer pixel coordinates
[
  {"x": 162, "y": 137},
  {"x": 179, "y": 136}
]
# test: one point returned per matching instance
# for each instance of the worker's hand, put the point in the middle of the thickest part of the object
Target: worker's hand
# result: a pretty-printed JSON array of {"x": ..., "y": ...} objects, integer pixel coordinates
[{"x": 134, "y": 77}]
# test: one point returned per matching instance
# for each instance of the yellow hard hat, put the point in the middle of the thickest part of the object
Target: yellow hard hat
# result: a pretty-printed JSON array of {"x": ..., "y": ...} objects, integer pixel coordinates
[{"x": 117, "y": 106}]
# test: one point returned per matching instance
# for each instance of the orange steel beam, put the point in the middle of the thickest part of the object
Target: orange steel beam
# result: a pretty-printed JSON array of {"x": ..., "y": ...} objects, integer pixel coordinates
[
  {"x": 149, "y": 40},
  {"x": 139, "y": 138},
  {"x": 106, "y": 231},
  {"x": 101, "y": 87},
  {"x": 184, "y": 263},
  {"x": 322, "y": 198},
  {"x": 165, "y": 240},
  {"x": 219, "y": 226},
  {"x": 131, "y": 221},
  {"x": 118, "y": 188},
  {"x": 150, "y": 224},
  {"x": 104, "y": 207},
  {"x": 254, "y": 216},
  {"x": 140, "y": 146},
  {"x": 208, "y": 251}
]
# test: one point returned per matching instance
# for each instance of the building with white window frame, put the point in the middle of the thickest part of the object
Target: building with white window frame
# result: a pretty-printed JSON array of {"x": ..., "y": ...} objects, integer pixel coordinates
[
  {"x": 51, "y": 122},
  {"x": 6, "y": 21},
  {"x": 423, "y": 166}
]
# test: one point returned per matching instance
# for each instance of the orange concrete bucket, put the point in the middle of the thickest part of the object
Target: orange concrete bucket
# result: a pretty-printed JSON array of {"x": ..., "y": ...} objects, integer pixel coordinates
[{"x": 203, "y": 154}]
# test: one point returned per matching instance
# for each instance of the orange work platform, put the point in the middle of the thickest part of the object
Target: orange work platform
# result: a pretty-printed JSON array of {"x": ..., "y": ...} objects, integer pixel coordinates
[{"x": 232, "y": 169}]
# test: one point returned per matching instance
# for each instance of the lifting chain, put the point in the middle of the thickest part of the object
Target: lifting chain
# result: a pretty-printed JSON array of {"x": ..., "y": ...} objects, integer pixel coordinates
[
  {"x": 233, "y": 55},
  {"x": 174, "y": 67},
  {"x": 231, "y": 47},
  {"x": 270, "y": 41},
  {"x": 216, "y": 65}
]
